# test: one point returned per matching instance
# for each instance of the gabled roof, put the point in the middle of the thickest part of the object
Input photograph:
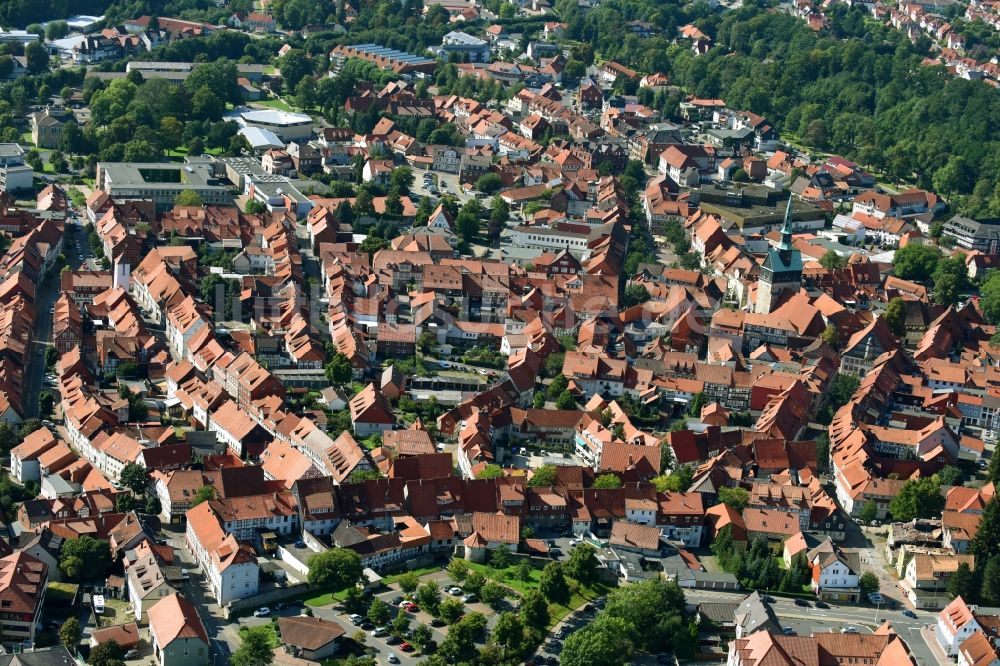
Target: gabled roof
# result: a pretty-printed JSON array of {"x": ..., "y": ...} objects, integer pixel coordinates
[{"x": 174, "y": 617}]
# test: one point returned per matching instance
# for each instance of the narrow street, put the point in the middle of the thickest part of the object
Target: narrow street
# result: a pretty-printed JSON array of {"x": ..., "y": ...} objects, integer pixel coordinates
[{"x": 45, "y": 297}]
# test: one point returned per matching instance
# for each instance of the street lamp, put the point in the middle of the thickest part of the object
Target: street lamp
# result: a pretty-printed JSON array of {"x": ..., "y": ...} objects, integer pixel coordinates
[{"x": 878, "y": 607}]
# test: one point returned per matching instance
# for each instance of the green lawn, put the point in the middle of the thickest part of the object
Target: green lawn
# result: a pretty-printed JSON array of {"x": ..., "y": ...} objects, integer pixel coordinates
[
  {"x": 62, "y": 591},
  {"x": 182, "y": 151},
  {"x": 507, "y": 577},
  {"x": 326, "y": 598},
  {"x": 423, "y": 571},
  {"x": 581, "y": 594},
  {"x": 274, "y": 104},
  {"x": 272, "y": 635}
]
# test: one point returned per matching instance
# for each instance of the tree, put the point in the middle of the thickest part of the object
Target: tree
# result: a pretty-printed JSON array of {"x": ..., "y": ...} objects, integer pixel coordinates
[
  {"x": 868, "y": 583},
  {"x": 70, "y": 634},
  {"x": 566, "y": 401},
  {"x": 46, "y": 401},
  {"x": 458, "y": 570},
  {"x": 188, "y": 198},
  {"x": 372, "y": 244},
  {"x": 678, "y": 480},
  {"x": 544, "y": 476},
  {"x": 336, "y": 568},
  {"x": 509, "y": 633},
  {"x": 58, "y": 161},
  {"x": 986, "y": 543},
  {"x": 895, "y": 316},
  {"x": 124, "y": 503},
  {"x": 429, "y": 597},
  {"x": 534, "y": 612},
  {"x": 582, "y": 563},
  {"x": 339, "y": 370},
  {"x": 916, "y": 262},
  {"x": 153, "y": 506},
  {"x": 558, "y": 384},
  {"x": 963, "y": 583},
  {"x": 400, "y": 623},
  {"x": 255, "y": 648},
  {"x": 489, "y": 183},
  {"x": 950, "y": 475},
  {"x": 606, "y": 642},
  {"x": 56, "y": 30},
  {"x": 107, "y": 654},
  {"x": 552, "y": 583},
  {"x": 501, "y": 558},
  {"x": 919, "y": 498},
  {"x": 634, "y": 295},
  {"x": 522, "y": 571},
  {"x": 89, "y": 557},
  {"x": 378, "y": 612},
  {"x": 491, "y": 471},
  {"x": 538, "y": 400},
  {"x": 295, "y": 66},
  {"x": 740, "y": 175},
  {"x": 37, "y": 56},
  {"x": 206, "y": 105},
  {"x": 659, "y": 608},
  {"x": 460, "y": 644},
  {"x": 408, "y": 582},
  {"x": 203, "y": 494},
  {"x": 989, "y": 295},
  {"x": 450, "y": 610},
  {"x": 474, "y": 582},
  {"x": 951, "y": 278},
  {"x": 133, "y": 477},
  {"x": 696, "y": 404},
  {"x": 831, "y": 336},
  {"x": 868, "y": 512},
  {"x": 991, "y": 581},
  {"x": 832, "y": 261},
  {"x": 608, "y": 480},
  {"x": 736, "y": 498},
  {"x": 422, "y": 635},
  {"x": 493, "y": 594}
]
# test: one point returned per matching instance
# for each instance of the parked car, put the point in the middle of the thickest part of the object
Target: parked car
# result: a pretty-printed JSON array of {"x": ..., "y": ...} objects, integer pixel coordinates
[
  {"x": 470, "y": 598},
  {"x": 392, "y": 658},
  {"x": 788, "y": 631},
  {"x": 411, "y": 607},
  {"x": 397, "y": 600},
  {"x": 263, "y": 611},
  {"x": 300, "y": 544},
  {"x": 455, "y": 591},
  {"x": 437, "y": 622},
  {"x": 849, "y": 630},
  {"x": 802, "y": 602},
  {"x": 131, "y": 654},
  {"x": 355, "y": 619},
  {"x": 406, "y": 647},
  {"x": 379, "y": 631}
]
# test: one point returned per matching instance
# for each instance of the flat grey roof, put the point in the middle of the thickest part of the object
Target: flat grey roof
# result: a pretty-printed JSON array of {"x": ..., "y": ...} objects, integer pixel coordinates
[{"x": 192, "y": 174}]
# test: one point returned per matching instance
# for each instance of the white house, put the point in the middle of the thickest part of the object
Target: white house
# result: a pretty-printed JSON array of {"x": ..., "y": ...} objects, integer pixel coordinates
[
  {"x": 955, "y": 624},
  {"x": 230, "y": 568},
  {"x": 835, "y": 574}
]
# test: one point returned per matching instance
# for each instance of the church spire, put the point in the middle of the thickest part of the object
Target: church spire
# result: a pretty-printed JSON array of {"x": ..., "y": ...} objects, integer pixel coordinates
[{"x": 786, "y": 228}]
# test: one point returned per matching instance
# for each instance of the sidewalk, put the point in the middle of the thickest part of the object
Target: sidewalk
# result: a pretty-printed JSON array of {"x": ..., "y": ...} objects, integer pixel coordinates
[{"x": 927, "y": 633}]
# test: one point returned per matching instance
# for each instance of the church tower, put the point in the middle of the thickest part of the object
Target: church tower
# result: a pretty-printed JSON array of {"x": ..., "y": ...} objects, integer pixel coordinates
[{"x": 782, "y": 268}]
